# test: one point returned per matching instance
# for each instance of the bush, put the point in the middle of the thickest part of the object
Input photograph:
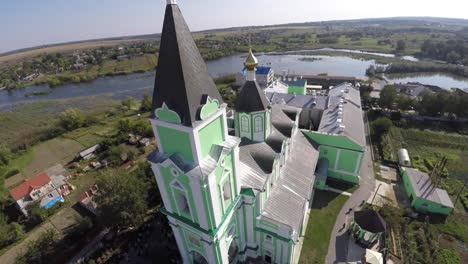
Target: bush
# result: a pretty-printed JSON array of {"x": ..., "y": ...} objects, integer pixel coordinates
[
  {"x": 5, "y": 155},
  {"x": 11, "y": 173},
  {"x": 447, "y": 256}
]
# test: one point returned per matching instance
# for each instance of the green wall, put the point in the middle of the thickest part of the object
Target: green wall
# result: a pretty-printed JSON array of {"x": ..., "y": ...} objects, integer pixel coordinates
[
  {"x": 348, "y": 161},
  {"x": 174, "y": 141},
  {"x": 296, "y": 90},
  {"x": 342, "y": 164},
  {"x": 421, "y": 204},
  {"x": 211, "y": 134}
]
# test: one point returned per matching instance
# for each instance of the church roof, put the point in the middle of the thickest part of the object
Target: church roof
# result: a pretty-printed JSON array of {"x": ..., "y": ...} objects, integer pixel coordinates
[
  {"x": 182, "y": 79},
  {"x": 251, "y": 98}
]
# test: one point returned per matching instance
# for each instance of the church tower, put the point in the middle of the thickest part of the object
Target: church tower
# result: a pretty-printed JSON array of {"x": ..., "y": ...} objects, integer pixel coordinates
[
  {"x": 196, "y": 164},
  {"x": 253, "y": 113}
]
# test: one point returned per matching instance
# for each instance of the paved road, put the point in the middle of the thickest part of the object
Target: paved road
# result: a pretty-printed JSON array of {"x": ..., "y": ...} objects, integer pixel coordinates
[{"x": 339, "y": 240}]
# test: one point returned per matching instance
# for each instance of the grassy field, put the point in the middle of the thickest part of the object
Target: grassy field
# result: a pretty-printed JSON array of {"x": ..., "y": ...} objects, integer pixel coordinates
[
  {"x": 325, "y": 209},
  {"x": 426, "y": 144},
  {"x": 31, "y": 121}
]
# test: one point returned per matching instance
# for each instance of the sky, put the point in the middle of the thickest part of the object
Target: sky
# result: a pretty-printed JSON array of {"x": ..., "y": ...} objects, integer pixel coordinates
[{"x": 28, "y": 23}]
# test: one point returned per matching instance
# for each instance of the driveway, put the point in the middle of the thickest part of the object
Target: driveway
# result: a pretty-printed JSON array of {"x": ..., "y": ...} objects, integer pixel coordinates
[{"x": 338, "y": 245}]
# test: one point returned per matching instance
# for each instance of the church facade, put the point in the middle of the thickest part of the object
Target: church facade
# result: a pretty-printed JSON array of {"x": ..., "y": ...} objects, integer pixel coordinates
[{"x": 231, "y": 194}]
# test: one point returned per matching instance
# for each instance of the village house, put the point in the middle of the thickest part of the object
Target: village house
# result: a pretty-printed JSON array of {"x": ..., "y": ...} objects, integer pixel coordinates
[{"x": 39, "y": 188}]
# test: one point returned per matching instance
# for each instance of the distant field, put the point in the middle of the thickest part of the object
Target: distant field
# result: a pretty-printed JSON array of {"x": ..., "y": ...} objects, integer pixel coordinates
[{"x": 63, "y": 48}]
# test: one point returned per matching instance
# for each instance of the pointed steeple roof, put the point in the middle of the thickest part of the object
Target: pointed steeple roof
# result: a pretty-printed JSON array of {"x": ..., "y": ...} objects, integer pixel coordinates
[
  {"x": 252, "y": 98},
  {"x": 182, "y": 79}
]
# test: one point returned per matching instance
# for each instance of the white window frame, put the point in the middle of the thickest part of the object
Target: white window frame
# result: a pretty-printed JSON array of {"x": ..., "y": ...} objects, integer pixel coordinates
[
  {"x": 178, "y": 186},
  {"x": 244, "y": 126},
  {"x": 258, "y": 126}
]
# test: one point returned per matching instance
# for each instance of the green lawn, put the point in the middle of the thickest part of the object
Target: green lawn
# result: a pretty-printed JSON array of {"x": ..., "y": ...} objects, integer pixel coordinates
[{"x": 325, "y": 209}]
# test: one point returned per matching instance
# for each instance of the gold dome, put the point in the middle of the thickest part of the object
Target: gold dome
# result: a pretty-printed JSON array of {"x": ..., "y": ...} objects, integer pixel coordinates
[{"x": 251, "y": 62}]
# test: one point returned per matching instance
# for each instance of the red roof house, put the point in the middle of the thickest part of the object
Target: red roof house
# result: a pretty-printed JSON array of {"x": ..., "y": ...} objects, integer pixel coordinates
[{"x": 29, "y": 185}]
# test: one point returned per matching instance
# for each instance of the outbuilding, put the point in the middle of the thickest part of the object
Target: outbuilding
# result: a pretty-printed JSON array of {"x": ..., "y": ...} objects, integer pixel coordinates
[{"x": 404, "y": 158}]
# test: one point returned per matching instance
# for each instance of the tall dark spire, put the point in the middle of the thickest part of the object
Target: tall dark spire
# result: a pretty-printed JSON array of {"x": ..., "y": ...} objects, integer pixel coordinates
[{"x": 182, "y": 79}]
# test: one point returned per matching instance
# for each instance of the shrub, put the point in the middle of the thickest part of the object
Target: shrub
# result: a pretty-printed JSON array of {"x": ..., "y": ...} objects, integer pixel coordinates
[{"x": 447, "y": 256}]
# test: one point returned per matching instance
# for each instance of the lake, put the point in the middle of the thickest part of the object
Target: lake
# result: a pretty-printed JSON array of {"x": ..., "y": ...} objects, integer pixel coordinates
[
  {"x": 119, "y": 87},
  {"x": 442, "y": 80}
]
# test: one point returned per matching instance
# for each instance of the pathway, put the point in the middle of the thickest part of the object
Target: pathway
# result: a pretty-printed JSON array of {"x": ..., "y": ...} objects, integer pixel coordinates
[{"x": 338, "y": 245}]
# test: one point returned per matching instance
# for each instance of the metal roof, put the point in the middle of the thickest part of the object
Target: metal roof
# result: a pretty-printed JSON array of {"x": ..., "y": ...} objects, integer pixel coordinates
[
  {"x": 343, "y": 115},
  {"x": 251, "y": 98},
  {"x": 299, "y": 101},
  {"x": 182, "y": 79},
  {"x": 293, "y": 189},
  {"x": 424, "y": 188}
]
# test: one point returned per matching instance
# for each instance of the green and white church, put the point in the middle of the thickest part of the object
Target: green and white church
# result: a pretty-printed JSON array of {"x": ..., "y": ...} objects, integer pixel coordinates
[{"x": 231, "y": 194}]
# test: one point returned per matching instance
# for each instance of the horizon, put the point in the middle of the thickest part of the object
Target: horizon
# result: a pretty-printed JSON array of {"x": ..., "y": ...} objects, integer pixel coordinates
[{"x": 122, "y": 22}]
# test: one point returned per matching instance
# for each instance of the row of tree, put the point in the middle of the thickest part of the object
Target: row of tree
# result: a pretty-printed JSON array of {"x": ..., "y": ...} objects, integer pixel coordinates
[
  {"x": 434, "y": 104},
  {"x": 453, "y": 51}
]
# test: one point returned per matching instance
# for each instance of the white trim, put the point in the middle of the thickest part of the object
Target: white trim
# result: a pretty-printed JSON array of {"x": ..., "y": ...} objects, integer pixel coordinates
[
  {"x": 359, "y": 163},
  {"x": 180, "y": 244},
  {"x": 197, "y": 198},
  {"x": 182, "y": 189},
  {"x": 212, "y": 117},
  {"x": 337, "y": 158},
  {"x": 179, "y": 127},
  {"x": 196, "y": 147},
  {"x": 156, "y": 135},
  {"x": 162, "y": 187}
]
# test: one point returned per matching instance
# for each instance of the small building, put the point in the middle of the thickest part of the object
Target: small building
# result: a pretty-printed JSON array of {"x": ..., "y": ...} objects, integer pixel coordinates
[
  {"x": 411, "y": 90},
  {"x": 368, "y": 228},
  {"x": 145, "y": 142},
  {"x": 296, "y": 85},
  {"x": 373, "y": 257},
  {"x": 87, "y": 199},
  {"x": 404, "y": 158},
  {"x": 423, "y": 194},
  {"x": 38, "y": 188},
  {"x": 89, "y": 153},
  {"x": 264, "y": 76}
]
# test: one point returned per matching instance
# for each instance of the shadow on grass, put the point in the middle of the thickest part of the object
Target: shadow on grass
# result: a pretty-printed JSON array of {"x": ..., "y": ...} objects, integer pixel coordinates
[{"x": 323, "y": 198}]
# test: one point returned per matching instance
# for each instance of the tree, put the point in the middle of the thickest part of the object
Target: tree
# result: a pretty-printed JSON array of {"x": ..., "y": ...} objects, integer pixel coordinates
[
  {"x": 453, "y": 57},
  {"x": 401, "y": 46},
  {"x": 5, "y": 155},
  {"x": 142, "y": 127},
  {"x": 146, "y": 103},
  {"x": 121, "y": 199},
  {"x": 381, "y": 126},
  {"x": 388, "y": 96},
  {"x": 128, "y": 103},
  {"x": 124, "y": 126},
  {"x": 72, "y": 119},
  {"x": 405, "y": 102}
]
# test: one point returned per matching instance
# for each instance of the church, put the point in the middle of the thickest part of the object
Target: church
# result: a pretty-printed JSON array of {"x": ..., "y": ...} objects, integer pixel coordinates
[{"x": 236, "y": 186}]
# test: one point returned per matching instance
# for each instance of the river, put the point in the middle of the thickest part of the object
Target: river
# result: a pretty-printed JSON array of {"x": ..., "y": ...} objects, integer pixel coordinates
[{"x": 136, "y": 85}]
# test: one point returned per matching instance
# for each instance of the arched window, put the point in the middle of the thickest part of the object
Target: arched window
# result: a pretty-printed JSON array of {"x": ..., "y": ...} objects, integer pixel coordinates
[
  {"x": 180, "y": 196},
  {"x": 258, "y": 121},
  {"x": 198, "y": 258},
  {"x": 245, "y": 124}
]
